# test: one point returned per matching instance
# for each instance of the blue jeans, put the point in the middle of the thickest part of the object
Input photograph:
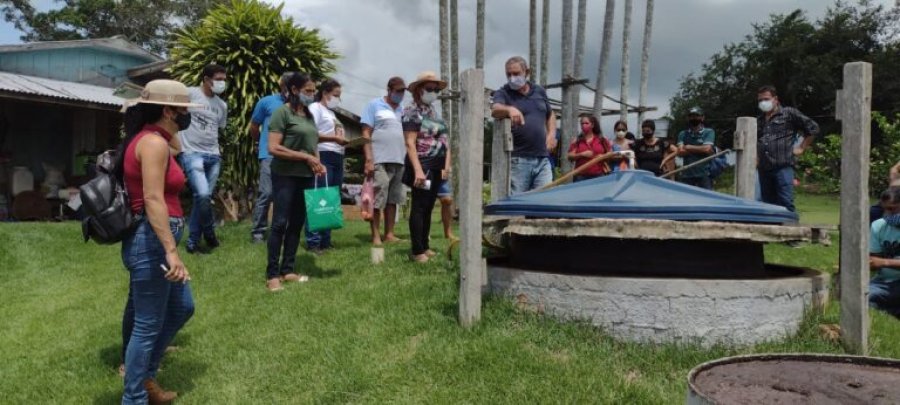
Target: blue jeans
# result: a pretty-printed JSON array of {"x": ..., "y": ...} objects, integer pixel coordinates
[
  {"x": 157, "y": 307},
  {"x": 777, "y": 187},
  {"x": 287, "y": 223},
  {"x": 529, "y": 173},
  {"x": 885, "y": 295},
  {"x": 263, "y": 199},
  {"x": 334, "y": 166},
  {"x": 202, "y": 171}
]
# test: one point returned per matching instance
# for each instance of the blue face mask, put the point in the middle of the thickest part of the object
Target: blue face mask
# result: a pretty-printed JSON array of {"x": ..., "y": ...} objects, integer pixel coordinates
[
  {"x": 397, "y": 98},
  {"x": 892, "y": 220}
]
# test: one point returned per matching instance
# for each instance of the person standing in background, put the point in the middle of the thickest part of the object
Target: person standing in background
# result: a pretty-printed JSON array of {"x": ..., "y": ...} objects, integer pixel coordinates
[
  {"x": 331, "y": 151},
  {"x": 259, "y": 131},
  {"x": 201, "y": 158}
]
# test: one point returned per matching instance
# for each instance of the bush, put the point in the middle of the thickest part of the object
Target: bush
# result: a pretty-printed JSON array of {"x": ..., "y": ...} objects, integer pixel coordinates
[{"x": 821, "y": 167}]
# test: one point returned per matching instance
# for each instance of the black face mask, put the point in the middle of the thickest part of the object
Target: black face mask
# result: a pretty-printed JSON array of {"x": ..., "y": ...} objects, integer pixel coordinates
[
  {"x": 183, "y": 121},
  {"x": 695, "y": 121}
]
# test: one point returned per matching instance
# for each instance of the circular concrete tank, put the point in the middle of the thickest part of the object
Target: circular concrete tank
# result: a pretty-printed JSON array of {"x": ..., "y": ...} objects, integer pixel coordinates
[
  {"x": 650, "y": 260},
  {"x": 795, "y": 379},
  {"x": 672, "y": 310}
]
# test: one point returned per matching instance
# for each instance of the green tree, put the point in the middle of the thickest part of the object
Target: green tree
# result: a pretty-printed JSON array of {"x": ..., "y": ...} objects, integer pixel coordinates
[
  {"x": 256, "y": 44},
  {"x": 145, "y": 22},
  {"x": 803, "y": 59}
]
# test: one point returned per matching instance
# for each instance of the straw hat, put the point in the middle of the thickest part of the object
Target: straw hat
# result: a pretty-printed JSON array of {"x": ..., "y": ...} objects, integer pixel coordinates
[
  {"x": 426, "y": 77},
  {"x": 163, "y": 92}
]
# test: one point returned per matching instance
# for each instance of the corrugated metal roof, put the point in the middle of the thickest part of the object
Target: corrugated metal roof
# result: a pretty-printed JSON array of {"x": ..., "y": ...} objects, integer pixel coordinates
[
  {"x": 116, "y": 43},
  {"x": 39, "y": 86}
]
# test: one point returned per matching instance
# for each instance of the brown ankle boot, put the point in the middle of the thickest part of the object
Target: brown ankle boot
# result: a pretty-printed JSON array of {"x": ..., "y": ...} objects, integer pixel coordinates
[{"x": 156, "y": 393}]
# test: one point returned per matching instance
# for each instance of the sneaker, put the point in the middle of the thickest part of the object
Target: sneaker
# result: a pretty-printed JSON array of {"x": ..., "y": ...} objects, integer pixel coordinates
[
  {"x": 295, "y": 278},
  {"x": 193, "y": 248},
  {"x": 212, "y": 241},
  {"x": 257, "y": 238},
  {"x": 274, "y": 285}
]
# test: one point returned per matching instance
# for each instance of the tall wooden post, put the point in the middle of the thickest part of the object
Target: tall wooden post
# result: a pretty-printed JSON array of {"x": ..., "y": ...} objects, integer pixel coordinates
[
  {"x": 532, "y": 36},
  {"x": 626, "y": 60},
  {"x": 567, "y": 60},
  {"x": 501, "y": 151},
  {"x": 545, "y": 39},
  {"x": 604, "y": 58},
  {"x": 745, "y": 167},
  {"x": 443, "y": 26},
  {"x": 454, "y": 84},
  {"x": 575, "y": 91},
  {"x": 479, "y": 34},
  {"x": 471, "y": 143},
  {"x": 855, "y": 107},
  {"x": 645, "y": 61}
]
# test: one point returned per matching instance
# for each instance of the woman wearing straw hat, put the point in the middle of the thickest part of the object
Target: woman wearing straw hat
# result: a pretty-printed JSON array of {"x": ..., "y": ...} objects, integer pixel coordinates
[
  {"x": 159, "y": 295},
  {"x": 427, "y": 159}
]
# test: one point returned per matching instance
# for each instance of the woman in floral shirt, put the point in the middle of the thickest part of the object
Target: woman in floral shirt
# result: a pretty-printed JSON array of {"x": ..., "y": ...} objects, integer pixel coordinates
[{"x": 427, "y": 159}]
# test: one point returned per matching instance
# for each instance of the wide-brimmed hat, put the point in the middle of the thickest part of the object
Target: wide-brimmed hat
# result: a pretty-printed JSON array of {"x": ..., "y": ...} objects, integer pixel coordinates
[
  {"x": 426, "y": 77},
  {"x": 163, "y": 92}
]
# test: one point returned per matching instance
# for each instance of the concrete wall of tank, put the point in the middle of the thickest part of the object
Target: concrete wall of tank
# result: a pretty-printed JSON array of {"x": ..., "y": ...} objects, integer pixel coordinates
[{"x": 707, "y": 312}]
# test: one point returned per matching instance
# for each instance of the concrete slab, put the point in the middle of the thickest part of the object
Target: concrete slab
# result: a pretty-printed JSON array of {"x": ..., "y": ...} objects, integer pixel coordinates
[{"x": 646, "y": 229}]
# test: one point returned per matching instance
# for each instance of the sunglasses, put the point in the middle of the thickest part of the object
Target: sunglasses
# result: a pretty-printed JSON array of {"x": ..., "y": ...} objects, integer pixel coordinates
[{"x": 400, "y": 90}]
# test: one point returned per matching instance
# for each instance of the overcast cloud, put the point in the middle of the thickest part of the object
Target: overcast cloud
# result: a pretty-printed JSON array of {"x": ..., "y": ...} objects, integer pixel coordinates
[{"x": 381, "y": 38}]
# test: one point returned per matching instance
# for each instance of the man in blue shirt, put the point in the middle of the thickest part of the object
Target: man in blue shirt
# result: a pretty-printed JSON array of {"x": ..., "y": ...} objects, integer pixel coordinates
[
  {"x": 533, "y": 127},
  {"x": 884, "y": 255},
  {"x": 696, "y": 143},
  {"x": 261, "y": 115}
]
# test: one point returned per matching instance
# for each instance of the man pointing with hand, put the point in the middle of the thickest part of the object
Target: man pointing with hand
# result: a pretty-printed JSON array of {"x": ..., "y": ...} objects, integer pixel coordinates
[{"x": 533, "y": 127}]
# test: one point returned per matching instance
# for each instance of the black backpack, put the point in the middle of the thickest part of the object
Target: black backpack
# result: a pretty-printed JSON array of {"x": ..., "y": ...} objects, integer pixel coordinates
[{"x": 108, "y": 218}]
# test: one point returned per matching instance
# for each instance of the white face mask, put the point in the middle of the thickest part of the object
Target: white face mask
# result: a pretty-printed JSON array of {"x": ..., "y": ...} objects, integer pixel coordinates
[
  {"x": 219, "y": 86},
  {"x": 429, "y": 97},
  {"x": 517, "y": 82},
  {"x": 333, "y": 103},
  {"x": 766, "y": 105},
  {"x": 620, "y": 134}
]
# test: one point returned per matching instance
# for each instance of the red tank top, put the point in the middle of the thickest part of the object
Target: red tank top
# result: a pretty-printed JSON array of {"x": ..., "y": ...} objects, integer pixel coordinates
[{"x": 134, "y": 182}]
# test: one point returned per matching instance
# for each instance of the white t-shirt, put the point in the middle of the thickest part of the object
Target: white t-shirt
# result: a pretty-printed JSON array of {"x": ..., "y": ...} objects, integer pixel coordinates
[
  {"x": 388, "y": 145},
  {"x": 325, "y": 121},
  {"x": 203, "y": 134}
]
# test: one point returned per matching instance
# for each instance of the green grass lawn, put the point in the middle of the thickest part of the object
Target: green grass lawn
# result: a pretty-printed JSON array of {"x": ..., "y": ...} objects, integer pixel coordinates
[{"x": 355, "y": 333}]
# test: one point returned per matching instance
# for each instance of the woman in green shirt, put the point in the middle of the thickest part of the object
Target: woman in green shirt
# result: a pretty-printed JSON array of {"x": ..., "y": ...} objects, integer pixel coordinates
[{"x": 293, "y": 140}]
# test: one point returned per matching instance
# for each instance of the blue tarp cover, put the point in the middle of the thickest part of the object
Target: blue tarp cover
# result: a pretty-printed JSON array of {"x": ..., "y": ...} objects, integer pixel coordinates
[{"x": 639, "y": 194}]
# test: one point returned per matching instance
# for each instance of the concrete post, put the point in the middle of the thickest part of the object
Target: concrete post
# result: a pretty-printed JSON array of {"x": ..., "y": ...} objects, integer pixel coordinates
[
  {"x": 545, "y": 40},
  {"x": 567, "y": 73},
  {"x": 471, "y": 143},
  {"x": 855, "y": 106},
  {"x": 501, "y": 151},
  {"x": 745, "y": 167}
]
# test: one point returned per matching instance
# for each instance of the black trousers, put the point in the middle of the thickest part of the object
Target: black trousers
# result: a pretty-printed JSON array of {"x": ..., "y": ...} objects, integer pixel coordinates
[
  {"x": 420, "y": 216},
  {"x": 288, "y": 217}
]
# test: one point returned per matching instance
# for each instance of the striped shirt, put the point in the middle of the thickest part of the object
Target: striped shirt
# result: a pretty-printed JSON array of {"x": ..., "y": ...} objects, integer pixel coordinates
[{"x": 775, "y": 137}]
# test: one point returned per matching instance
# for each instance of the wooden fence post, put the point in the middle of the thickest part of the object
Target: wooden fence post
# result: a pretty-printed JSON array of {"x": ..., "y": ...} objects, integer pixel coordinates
[
  {"x": 855, "y": 107},
  {"x": 471, "y": 166},
  {"x": 745, "y": 166},
  {"x": 501, "y": 150}
]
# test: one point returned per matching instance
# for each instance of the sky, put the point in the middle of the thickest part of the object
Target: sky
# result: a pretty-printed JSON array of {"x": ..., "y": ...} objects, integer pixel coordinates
[{"x": 378, "y": 39}]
